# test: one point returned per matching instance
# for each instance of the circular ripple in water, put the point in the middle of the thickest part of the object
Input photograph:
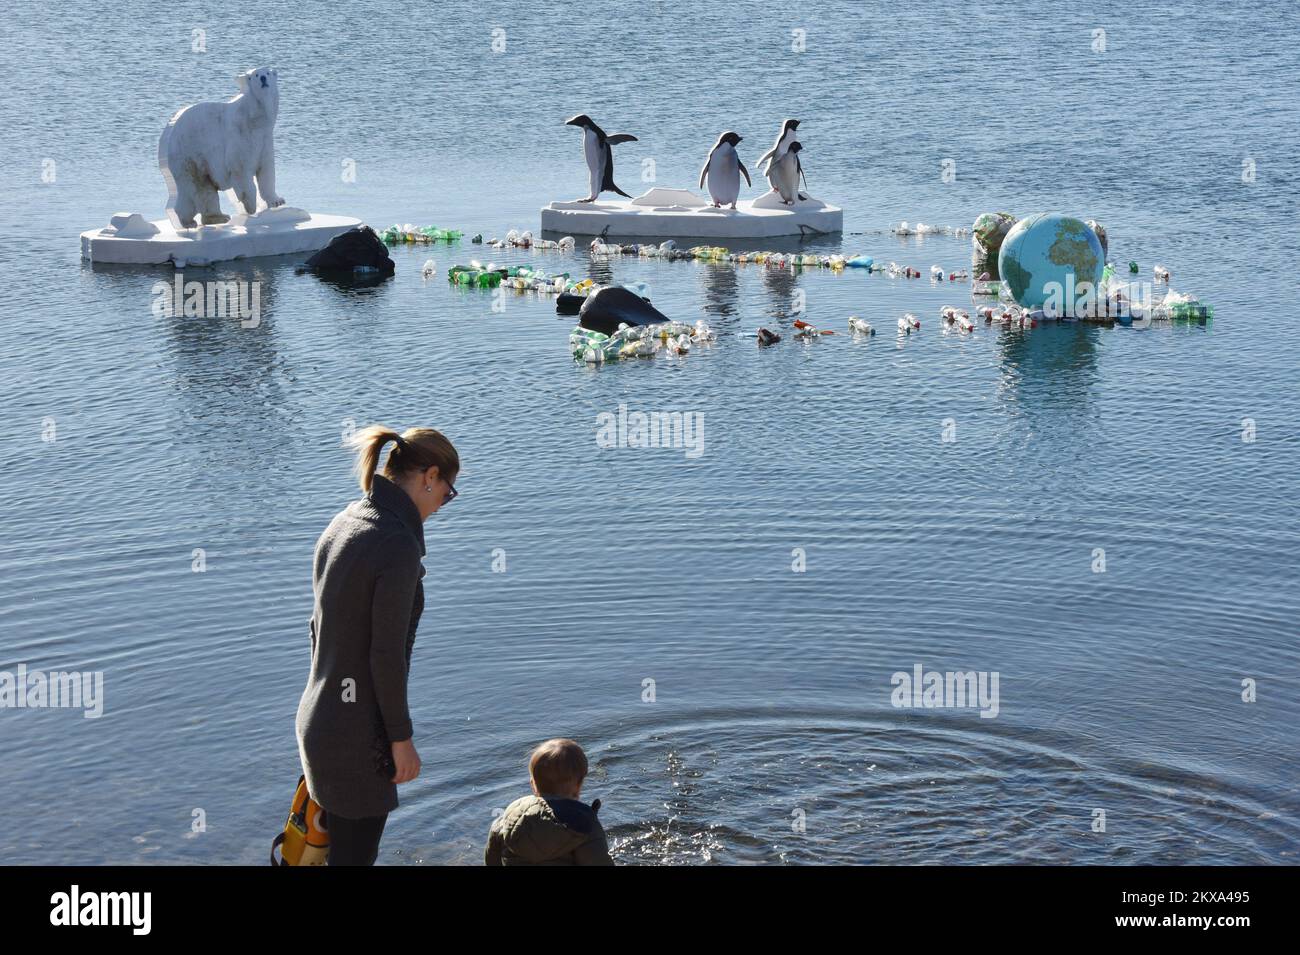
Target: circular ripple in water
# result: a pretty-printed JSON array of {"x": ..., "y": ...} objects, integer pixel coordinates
[{"x": 928, "y": 789}]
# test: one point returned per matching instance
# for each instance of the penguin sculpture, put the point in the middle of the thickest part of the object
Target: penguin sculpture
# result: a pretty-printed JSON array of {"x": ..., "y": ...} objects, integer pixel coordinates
[
  {"x": 724, "y": 169},
  {"x": 783, "y": 141},
  {"x": 600, "y": 158},
  {"x": 784, "y": 174},
  {"x": 796, "y": 148}
]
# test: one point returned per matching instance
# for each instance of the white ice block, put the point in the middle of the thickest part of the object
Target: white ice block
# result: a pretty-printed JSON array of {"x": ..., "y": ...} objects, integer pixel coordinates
[
  {"x": 128, "y": 239},
  {"x": 680, "y": 212}
]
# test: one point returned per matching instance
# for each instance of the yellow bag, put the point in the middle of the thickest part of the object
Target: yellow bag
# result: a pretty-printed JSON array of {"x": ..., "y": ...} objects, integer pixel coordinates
[{"x": 306, "y": 838}]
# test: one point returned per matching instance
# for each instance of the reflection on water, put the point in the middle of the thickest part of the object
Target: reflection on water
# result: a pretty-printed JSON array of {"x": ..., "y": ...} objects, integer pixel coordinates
[
  {"x": 781, "y": 286},
  {"x": 1054, "y": 364},
  {"x": 720, "y": 290}
]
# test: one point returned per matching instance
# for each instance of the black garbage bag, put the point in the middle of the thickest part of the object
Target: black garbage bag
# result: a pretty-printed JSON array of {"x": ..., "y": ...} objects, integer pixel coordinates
[
  {"x": 357, "y": 251},
  {"x": 606, "y": 308}
]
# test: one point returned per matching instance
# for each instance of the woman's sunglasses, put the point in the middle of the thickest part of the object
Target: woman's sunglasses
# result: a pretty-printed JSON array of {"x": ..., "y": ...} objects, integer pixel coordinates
[{"x": 451, "y": 493}]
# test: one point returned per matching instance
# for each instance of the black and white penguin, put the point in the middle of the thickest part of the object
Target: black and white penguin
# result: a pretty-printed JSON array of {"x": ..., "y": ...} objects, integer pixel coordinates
[
  {"x": 783, "y": 174},
  {"x": 600, "y": 158},
  {"x": 724, "y": 169},
  {"x": 783, "y": 141},
  {"x": 796, "y": 147}
]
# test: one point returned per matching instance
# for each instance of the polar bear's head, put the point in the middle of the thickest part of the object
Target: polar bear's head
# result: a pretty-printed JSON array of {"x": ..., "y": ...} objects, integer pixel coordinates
[{"x": 263, "y": 87}]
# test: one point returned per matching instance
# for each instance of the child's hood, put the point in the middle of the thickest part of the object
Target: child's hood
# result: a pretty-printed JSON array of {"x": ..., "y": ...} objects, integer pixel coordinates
[{"x": 538, "y": 829}]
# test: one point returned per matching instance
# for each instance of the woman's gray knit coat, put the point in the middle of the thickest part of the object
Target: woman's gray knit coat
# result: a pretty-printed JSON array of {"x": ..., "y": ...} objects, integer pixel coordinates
[{"x": 368, "y": 603}]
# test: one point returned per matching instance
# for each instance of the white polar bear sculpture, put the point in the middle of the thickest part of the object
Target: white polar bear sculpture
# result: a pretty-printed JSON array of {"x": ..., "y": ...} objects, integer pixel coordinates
[{"x": 209, "y": 147}]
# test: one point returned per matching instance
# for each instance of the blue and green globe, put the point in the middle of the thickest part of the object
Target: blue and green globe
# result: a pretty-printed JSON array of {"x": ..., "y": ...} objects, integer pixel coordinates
[{"x": 1049, "y": 256}]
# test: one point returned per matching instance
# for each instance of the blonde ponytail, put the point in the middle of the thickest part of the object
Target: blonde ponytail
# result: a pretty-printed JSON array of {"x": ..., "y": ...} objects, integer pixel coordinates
[{"x": 418, "y": 449}]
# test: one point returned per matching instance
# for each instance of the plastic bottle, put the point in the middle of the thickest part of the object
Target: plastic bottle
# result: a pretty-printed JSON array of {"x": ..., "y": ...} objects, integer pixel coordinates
[
  {"x": 908, "y": 323},
  {"x": 936, "y": 274},
  {"x": 956, "y": 318},
  {"x": 1161, "y": 274},
  {"x": 1181, "y": 306},
  {"x": 809, "y": 330},
  {"x": 860, "y": 326},
  {"x": 766, "y": 337}
]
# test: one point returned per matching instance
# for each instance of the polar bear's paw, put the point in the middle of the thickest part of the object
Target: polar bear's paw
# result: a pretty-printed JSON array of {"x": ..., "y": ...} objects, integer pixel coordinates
[
  {"x": 214, "y": 218},
  {"x": 275, "y": 203}
]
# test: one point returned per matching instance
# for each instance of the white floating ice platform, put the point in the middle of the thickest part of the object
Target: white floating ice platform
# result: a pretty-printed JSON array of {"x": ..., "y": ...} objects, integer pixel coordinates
[
  {"x": 129, "y": 240},
  {"x": 680, "y": 212}
]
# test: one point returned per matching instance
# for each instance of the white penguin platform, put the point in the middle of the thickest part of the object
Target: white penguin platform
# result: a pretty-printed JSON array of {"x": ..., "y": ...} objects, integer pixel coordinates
[
  {"x": 130, "y": 240},
  {"x": 680, "y": 212}
]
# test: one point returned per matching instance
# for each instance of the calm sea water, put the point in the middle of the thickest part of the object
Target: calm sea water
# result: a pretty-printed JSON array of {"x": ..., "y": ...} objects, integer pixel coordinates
[{"x": 1119, "y": 691}]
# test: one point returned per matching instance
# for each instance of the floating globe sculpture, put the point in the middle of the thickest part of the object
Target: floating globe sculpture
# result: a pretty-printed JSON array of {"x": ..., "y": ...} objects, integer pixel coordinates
[{"x": 1050, "y": 257}]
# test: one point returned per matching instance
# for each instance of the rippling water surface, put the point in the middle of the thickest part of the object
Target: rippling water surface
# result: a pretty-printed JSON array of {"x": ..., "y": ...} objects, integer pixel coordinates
[{"x": 772, "y": 737}]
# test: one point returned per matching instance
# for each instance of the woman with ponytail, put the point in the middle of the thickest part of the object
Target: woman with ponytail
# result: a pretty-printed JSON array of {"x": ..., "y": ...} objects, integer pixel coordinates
[{"x": 354, "y": 727}]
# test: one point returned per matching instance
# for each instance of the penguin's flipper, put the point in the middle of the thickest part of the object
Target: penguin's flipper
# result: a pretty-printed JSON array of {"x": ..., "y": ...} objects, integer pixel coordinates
[
  {"x": 743, "y": 171},
  {"x": 770, "y": 154},
  {"x": 620, "y": 138},
  {"x": 705, "y": 169}
]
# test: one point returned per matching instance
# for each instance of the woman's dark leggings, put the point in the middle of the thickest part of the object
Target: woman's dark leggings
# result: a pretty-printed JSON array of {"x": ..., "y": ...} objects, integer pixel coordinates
[{"x": 355, "y": 841}]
